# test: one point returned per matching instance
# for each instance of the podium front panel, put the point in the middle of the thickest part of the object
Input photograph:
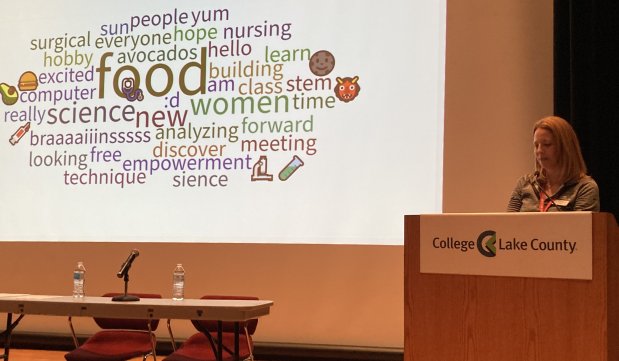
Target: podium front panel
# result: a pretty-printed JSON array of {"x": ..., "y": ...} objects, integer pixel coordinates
[{"x": 544, "y": 245}]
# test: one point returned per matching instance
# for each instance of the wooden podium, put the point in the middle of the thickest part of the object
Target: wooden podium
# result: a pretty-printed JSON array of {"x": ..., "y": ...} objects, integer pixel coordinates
[{"x": 454, "y": 317}]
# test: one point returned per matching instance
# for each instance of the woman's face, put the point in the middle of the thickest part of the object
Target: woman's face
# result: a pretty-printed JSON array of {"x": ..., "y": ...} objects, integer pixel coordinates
[{"x": 546, "y": 152}]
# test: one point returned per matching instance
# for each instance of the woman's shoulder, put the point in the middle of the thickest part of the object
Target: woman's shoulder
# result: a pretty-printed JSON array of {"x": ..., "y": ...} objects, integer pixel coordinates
[
  {"x": 587, "y": 195},
  {"x": 587, "y": 181},
  {"x": 527, "y": 179}
]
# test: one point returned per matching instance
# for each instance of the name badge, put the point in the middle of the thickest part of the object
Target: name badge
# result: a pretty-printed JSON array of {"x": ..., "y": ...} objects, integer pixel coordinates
[{"x": 562, "y": 202}]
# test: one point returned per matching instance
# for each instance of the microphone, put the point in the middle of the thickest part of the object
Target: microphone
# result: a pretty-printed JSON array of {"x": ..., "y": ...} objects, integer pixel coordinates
[
  {"x": 541, "y": 190},
  {"x": 127, "y": 264}
]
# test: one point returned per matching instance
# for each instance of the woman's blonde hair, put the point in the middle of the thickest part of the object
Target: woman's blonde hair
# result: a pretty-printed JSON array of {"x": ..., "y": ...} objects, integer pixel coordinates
[{"x": 571, "y": 161}]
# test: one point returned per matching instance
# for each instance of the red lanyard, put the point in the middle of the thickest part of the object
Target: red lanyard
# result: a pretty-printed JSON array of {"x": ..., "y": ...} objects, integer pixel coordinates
[{"x": 542, "y": 207}]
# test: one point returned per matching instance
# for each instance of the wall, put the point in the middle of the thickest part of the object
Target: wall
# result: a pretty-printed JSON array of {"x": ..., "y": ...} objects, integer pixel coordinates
[{"x": 498, "y": 82}]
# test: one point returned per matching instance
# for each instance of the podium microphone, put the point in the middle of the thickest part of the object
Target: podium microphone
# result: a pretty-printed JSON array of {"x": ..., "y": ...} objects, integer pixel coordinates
[
  {"x": 541, "y": 191},
  {"x": 127, "y": 265}
]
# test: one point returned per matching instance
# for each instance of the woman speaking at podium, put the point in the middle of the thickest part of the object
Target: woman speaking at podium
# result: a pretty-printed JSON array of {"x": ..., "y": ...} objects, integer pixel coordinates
[{"x": 560, "y": 181}]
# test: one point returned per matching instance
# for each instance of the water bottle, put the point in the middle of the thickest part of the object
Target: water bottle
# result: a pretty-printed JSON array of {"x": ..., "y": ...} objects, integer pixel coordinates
[
  {"x": 178, "y": 283},
  {"x": 79, "y": 276}
]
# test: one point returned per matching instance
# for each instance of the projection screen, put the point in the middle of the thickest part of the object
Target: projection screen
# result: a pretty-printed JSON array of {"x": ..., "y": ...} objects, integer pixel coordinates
[{"x": 222, "y": 121}]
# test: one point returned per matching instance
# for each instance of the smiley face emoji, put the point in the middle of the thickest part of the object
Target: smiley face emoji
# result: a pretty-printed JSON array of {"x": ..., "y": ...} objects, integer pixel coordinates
[{"x": 322, "y": 63}]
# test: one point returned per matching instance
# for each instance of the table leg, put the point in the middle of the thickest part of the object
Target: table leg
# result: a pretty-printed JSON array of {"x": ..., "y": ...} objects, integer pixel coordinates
[
  {"x": 10, "y": 325},
  {"x": 7, "y": 336},
  {"x": 236, "y": 341},
  {"x": 220, "y": 346}
]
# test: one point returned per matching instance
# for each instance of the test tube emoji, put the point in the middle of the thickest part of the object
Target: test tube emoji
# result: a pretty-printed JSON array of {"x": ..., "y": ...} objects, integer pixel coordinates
[
  {"x": 290, "y": 168},
  {"x": 19, "y": 133}
]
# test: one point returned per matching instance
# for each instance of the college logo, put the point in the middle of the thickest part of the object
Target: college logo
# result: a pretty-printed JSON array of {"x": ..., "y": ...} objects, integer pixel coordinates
[{"x": 486, "y": 243}]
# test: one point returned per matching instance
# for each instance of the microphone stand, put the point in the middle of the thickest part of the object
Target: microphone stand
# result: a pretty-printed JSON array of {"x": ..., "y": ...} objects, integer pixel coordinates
[{"x": 126, "y": 297}]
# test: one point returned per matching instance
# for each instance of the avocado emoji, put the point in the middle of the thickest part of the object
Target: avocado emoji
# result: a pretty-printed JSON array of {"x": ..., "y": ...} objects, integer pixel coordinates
[{"x": 9, "y": 94}]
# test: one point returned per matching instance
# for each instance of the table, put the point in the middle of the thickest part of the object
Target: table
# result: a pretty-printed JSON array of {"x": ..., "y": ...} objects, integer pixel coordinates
[{"x": 146, "y": 308}]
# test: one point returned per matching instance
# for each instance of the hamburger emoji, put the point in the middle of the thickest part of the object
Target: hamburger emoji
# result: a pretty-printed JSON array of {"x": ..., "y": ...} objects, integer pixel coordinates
[{"x": 28, "y": 81}]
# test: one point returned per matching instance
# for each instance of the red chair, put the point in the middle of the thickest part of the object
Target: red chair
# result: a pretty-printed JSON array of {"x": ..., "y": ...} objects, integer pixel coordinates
[
  {"x": 120, "y": 339},
  {"x": 201, "y": 346}
]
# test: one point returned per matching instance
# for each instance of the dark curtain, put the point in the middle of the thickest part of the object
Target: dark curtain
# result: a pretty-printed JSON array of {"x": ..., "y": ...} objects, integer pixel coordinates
[{"x": 586, "y": 86}]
